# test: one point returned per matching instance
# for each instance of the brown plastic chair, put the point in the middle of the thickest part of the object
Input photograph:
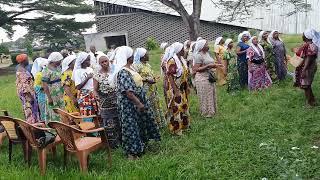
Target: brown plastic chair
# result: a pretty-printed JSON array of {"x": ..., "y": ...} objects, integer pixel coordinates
[
  {"x": 30, "y": 131},
  {"x": 15, "y": 136},
  {"x": 3, "y": 134},
  {"x": 83, "y": 146},
  {"x": 76, "y": 119}
]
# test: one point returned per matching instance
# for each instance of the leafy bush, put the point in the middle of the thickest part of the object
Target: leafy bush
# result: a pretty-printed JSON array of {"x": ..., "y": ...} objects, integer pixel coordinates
[
  {"x": 13, "y": 58},
  {"x": 4, "y": 49},
  {"x": 152, "y": 43}
]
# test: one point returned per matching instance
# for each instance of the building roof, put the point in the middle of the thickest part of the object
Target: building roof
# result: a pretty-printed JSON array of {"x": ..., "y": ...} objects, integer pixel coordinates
[{"x": 156, "y": 7}]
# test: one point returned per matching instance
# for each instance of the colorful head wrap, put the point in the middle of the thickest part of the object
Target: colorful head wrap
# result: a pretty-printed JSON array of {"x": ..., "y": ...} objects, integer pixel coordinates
[{"x": 21, "y": 58}]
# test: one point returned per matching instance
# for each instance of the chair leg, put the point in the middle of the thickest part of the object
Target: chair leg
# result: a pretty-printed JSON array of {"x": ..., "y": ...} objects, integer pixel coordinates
[
  {"x": 29, "y": 153},
  {"x": 83, "y": 160},
  {"x": 65, "y": 156},
  {"x": 42, "y": 160},
  {"x": 25, "y": 151},
  {"x": 54, "y": 151},
  {"x": 2, "y": 137},
  {"x": 10, "y": 150}
]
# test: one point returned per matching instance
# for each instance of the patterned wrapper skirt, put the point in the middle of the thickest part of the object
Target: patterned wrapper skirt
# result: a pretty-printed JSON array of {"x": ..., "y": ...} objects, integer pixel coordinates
[
  {"x": 111, "y": 123},
  {"x": 258, "y": 77},
  {"x": 87, "y": 103}
]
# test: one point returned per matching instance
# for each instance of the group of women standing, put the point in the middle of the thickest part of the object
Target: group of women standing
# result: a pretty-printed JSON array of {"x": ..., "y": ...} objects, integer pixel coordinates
[{"x": 122, "y": 89}]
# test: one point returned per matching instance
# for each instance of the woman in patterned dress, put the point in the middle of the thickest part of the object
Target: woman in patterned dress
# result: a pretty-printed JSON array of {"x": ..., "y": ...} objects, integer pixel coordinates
[
  {"x": 177, "y": 90},
  {"x": 41, "y": 63},
  {"x": 70, "y": 91},
  {"x": 25, "y": 90},
  {"x": 279, "y": 50},
  {"x": 306, "y": 71},
  {"x": 270, "y": 58},
  {"x": 83, "y": 78},
  {"x": 137, "y": 118},
  {"x": 51, "y": 79},
  {"x": 149, "y": 83},
  {"x": 230, "y": 57},
  {"x": 258, "y": 77},
  {"x": 105, "y": 93}
]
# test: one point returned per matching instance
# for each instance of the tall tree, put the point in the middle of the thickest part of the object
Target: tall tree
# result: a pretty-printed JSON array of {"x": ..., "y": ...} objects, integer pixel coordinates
[{"x": 46, "y": 24}]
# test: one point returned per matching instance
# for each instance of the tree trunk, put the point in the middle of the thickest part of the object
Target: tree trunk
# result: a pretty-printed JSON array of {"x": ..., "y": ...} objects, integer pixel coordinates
[{"x": 192, "y": 27}]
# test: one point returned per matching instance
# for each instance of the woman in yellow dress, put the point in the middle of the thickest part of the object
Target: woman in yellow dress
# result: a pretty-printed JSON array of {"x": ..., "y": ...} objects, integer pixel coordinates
[
  {"x": 142, "y": 66},
  {"x": 177, "y": 90},
  {"x": 218, "y": 53},
  {"x": 70, "y": 91}
]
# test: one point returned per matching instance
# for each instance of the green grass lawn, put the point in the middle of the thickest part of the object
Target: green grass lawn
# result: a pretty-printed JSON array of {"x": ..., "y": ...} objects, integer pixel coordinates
[{"x": 253, "y": 136}]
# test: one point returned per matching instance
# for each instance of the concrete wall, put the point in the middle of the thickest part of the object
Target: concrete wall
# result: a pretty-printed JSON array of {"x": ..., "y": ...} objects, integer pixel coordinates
[{"x": 165, "y": 28}]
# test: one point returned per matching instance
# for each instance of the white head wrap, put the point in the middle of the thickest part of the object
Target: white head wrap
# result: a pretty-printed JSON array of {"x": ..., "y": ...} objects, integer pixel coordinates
[
  {"x": 199, "y": 46},
  {"x": 38, "y": 65},
  {"x": 192, "y": 46},
  {"x": 260, "y": 35},
  {"x": 121, "y": 59},
  {"x": 166, "y": 55},
  {"x": 199, "y": 38},
  {"x": 163, "y": 45},
  {"x": 67, "y": 61},
  {"x": 55, "y": 57},
  {"x": 270, "y": 37},
  {"x": 313, "y": 35},
  {"x": 218, "y": 40},
  {"x": 139, "y": 53},
  {"x": 173, "y": 50},
  {"x": 228, "y": 41},
  {"x": 254, "y": 47},
  {"x": 82, "y": 56},
  {"x": 247, "y": 33},
  {"x": 240, "y": 37}
]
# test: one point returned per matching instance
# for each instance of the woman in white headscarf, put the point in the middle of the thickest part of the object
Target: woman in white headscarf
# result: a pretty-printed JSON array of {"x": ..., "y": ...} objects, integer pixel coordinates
[
  {"x": 149, "y": 83},
  {"x": 137, "y": 119},
  {"x": 258, "y": 77},
  {"x": 51, "y": 79},
  {"x": 70, "y": 91},
  {"x": 306, "y": 71},
  {"x": 205, "y": 78},
  {"x": 41, "y": 63},
  {"x": 83, "y": 78},
  {"x": 270, "y": 57},
  {"x": 105, "y": 93},
  {"x": 177, "y": 90},
  {"x": 279, "y": 50},
  {"x": 218, "y": 53},
  {"x": 230, "y": 56}
]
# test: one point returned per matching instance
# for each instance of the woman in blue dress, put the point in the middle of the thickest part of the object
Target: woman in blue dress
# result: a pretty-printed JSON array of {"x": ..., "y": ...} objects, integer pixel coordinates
[
  {"x": 137, "y": 118},
  {"x": 242, "y": 59}
]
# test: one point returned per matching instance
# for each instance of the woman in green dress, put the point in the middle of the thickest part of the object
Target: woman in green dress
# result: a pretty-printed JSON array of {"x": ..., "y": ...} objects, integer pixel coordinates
[
  {"x": 230, "y": 56},
  {"x": 269, "y": 54},
  {"x": 51, "y": 78},
  {"x": 142, "y": 66}
]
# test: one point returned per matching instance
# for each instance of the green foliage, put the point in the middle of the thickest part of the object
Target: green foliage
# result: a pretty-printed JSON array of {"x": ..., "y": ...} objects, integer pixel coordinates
[
  {"x": 46, "y": 26},
  {"x": 28, "y": 45},
  {"x": 152, "y": 44},
  {"x": 254, "y": 32},
  {"x": 4, "y": 49},
  {"x": 13, "y": 58}
]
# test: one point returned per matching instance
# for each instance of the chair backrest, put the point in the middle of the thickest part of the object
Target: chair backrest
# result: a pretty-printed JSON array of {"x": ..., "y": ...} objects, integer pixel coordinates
[
  {"x": 29, "y": 131},
  {"x": 10, "y": 127},
  {"x": 63, "y": 115},
  {"x": 66, "y": 133}
]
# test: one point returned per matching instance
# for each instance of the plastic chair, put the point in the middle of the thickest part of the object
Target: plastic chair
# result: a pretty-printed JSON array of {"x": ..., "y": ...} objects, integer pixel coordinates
[
  {"x": 15, "y": 136},
  {"x": 83, "y": 146},
  {"x": 3, "y": 133},
  {"x": 76, "y": 119},
  {"x": 30, "y": 131}
]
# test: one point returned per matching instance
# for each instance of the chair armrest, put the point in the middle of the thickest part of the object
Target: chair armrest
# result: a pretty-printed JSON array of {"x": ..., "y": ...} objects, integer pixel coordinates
[
  {"x": 45, "y": 129},
  {"x": 91, "y": 131},
  {"x": 82, "y": 117},
  {"x": 40, "y": 125}
]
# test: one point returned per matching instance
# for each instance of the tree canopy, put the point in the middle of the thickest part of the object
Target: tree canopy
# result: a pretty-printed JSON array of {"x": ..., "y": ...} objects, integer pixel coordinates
[{"x": 49, "y": 25}]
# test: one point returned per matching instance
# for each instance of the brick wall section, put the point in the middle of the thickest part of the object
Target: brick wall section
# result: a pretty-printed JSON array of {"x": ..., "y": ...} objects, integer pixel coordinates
[{"x": 165, "y": 28}]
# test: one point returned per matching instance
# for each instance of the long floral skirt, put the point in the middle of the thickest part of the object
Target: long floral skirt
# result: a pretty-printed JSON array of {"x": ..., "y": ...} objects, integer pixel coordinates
[
  {"x": 243, "y": 73},
  {"x": 42, "y": 103},
  {"x": 207, "y": 95},
  {"x": 111, "y": 123},
  {"x": 87, "y": 103},
  {"x": 258, "y": 77},
  {"x": 30, "y": 108}
]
